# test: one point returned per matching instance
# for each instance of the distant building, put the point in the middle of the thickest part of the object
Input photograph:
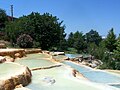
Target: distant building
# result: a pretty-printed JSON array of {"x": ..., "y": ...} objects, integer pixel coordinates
[
  {"x": 10, "y": 18},
  {"x": 2, "y": 24}
]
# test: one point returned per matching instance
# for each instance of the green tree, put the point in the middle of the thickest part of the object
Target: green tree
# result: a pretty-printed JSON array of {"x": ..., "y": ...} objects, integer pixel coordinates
[
  {"x": 46, "y": 30},
  {"x": 91, "y": 48},
  {"x": 70, "y": 40},
  {"x": 79, "y": 42},
  {"x": 112, "y": 60},
  {"x": 63, "y": 45},
  {"x": 3, "y": 16},
  {"x": 108, "y": 62},
  {"x": 93, "y": 37},
  {"x": 110, "y": 41},
  {"x": 117, "y": 54},
  {"x": 3, "y": 19},
  {"x": 97, "y": 51}
]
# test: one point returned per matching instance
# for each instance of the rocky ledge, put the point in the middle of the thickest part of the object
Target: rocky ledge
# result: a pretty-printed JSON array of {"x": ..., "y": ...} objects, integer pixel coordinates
[
  {"x": 30, "y": 51},
  {"x": 57, "y": 53},
  {"x": 13, "y": 53},
  {"x": 2, "y": 59},
  {"x": 22, "y": 75},
  {"x": 48, "y": 67},
  {"x": 88, "y": 61},
  {"x": 9, "y": 55}
]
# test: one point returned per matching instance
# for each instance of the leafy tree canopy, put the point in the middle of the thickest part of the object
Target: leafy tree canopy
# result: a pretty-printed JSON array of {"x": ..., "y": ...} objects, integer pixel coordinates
[
  {"x": 3, "y": 16},
  {"x": 76, "y": 40},
  {"x": 117, "y": 51},
  {"x": 110, "y": 41},
  {"x": 93, "y": 37},
  {"x": 70, "y": 40},
  {"x": 45, "y": 29}
]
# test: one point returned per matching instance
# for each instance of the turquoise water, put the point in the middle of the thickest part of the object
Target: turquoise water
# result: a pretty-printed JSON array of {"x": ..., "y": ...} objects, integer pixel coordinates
[
  {"x": 35, "y": 60},
  {"x": 118, "y": 86},
  {"x": 72, "y": 55},
  {"x": 62, "y": 81},
  {"x": 8, "y": 69},
  {"x": 61, "y": 75},
  {"x": 76, "y": 55},
  {"x": 96, "y": 76},
  {"x": 102, "y": 77},
  {"x": 34, "y": 63}
]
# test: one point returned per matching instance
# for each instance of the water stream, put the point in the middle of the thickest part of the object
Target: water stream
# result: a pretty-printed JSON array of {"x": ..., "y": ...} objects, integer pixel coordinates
[
  {"x": 58, "y": 78},
  {"x": 97, "y": 76}
]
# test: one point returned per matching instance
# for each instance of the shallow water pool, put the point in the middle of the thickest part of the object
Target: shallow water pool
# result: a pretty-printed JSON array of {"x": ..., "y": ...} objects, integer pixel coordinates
[
  {"x": 76, "y": 55},
  {"x": 35, "y": 60},
  {"x": 96, "y": 76},
  {"x": 72, "y": 55},
  {"x": 8, "y": 69},
  {"x": 62, "y": 81},
  {"x": 34, "y": 63}
]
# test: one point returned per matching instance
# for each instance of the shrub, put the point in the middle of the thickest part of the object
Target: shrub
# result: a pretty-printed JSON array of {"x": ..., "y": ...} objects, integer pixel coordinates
[
  {"x": 25, "y": 41},
  {"x": 108, "y": 61},
  {"x": 36, "y": 44},
  {"x": 117, "y": 65}
]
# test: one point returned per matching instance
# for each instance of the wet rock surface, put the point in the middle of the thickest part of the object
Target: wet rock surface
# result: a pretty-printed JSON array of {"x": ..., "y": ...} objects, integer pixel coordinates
[
  {"x": 88, "y": 61},
  {"x": 48, "y": 80},
  {"x": 2, "y": 45},
  {"x": 9, "y": 59},
  {"x": 12, "y": 52},
  {"x": 57, "y": 53},
  {"x": 2, "y": 59},
  {"x": 22, "y": 88},
  {"x": 30, "y": 51}
]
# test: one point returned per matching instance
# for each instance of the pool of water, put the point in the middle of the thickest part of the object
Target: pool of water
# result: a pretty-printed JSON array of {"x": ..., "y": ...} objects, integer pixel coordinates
[
  {"x": 35, "y": 60},
  {"x": 36, "y": 56},
  {"x": 76, "y": 55},
  {"x": 58, "y": 78},
  {"x": 102, "y": 77},
  {"x": 34, "y": 63},
  {"x": 96, "y": 76},
  {"x": 8, "y": 69},
  {"x": 118, "y": 86},
  {"x": 72, "y": 55},
  {"x": 60, "y": 57},
  {"x": 62, "y": 81}
]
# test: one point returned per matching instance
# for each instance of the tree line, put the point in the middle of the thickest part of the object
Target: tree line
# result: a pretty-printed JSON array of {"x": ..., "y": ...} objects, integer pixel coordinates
[
  {"x": 34, "y": 30},
  {"x": 106, "y": 49},
  {"x": 47, "y": 32}
]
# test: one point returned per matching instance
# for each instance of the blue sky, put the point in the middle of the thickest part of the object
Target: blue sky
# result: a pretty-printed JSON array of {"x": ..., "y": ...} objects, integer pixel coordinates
[{"x": 81, "y": 15}]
